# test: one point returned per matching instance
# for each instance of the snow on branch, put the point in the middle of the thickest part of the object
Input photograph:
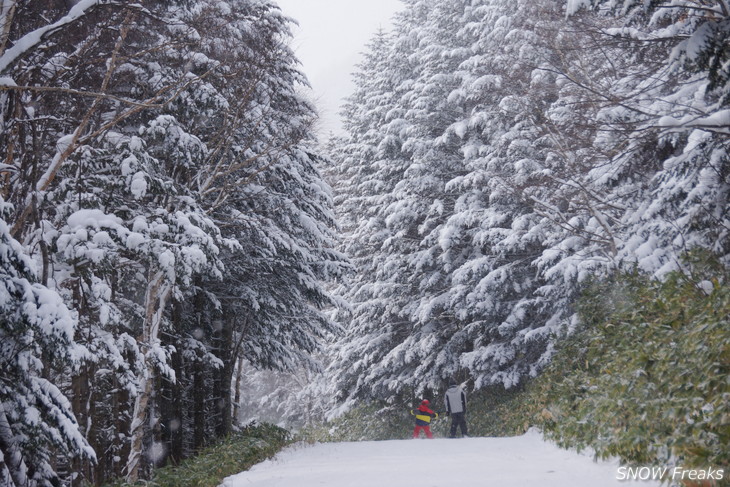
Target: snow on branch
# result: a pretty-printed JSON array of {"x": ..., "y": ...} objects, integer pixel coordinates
[
  {"x": 717, "y": 122},
  {"x": 32, "y": 39}
]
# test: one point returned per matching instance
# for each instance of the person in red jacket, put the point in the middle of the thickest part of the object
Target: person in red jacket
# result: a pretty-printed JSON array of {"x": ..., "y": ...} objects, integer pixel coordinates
[{"x": 423, "y": 415}]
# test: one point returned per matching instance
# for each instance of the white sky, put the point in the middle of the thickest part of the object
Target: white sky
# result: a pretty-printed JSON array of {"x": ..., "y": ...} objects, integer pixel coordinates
[{"x": 328, "y": 42}]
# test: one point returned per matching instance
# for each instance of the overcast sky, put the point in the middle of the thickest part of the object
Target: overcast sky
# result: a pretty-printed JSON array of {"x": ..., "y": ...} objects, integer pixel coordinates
[{"x": 328, "y": 42}]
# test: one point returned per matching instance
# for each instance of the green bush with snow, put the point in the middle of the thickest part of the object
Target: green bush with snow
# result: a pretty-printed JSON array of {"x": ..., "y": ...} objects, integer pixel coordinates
[
  {"x": 646, "y": 378},
  {"x": 237, "y": 453}
]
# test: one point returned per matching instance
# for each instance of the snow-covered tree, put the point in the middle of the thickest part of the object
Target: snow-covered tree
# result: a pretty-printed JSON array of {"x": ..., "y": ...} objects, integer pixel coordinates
[
  {"x": 36, "y": 333},
  {"x": 535, "y": 150},
  {"x": 149, "y": 149},
  {"x": 364, "y": 179},
  {"x": 446, "y": 246}
]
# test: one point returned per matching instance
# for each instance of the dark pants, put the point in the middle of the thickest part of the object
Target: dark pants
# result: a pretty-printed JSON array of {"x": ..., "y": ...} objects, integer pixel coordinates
[{"x": 458, "y": 419}]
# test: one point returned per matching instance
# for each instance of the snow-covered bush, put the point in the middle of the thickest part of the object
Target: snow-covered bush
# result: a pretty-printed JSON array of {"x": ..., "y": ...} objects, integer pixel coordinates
[{"x": 645, "y": 376}]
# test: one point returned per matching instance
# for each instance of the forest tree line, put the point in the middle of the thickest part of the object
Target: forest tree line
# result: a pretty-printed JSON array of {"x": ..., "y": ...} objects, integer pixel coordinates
[{"x": 501, "y": 157}]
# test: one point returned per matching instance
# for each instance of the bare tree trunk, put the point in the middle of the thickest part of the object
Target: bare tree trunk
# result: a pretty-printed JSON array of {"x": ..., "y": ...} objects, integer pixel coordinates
[
  {"x": 237, "y": 396},
  {"x": 156, "y": 297},
  {"x": 201, "y": 390},
  {"x": 7, "y": 12},
  {"x": 121, "y": 401},
  {"x": 225, "y": 426},
  {"x": 198, "y": 406},
  {"x": 175, "y": 419},
  {"x": 226, "y": 352},
  {"x": 81, "y": 408}
]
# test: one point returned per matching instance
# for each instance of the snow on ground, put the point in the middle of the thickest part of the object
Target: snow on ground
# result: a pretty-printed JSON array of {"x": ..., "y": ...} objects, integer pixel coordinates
[{"x": 522, "y": 461}]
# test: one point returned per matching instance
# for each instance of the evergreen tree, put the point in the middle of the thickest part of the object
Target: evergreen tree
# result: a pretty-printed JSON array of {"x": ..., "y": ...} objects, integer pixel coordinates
[
  {"x": 535, "y": 152},
  {"x": 452, "y": 240},
  {"x": 36, "y": 333}
]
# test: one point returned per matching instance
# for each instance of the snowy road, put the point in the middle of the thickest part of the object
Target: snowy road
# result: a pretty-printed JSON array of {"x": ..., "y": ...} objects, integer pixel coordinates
[{"x": 522, "y": 461}]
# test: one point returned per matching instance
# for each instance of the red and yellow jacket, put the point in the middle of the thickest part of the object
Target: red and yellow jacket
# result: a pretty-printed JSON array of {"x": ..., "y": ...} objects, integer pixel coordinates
[{"x": 424, "y": 414}]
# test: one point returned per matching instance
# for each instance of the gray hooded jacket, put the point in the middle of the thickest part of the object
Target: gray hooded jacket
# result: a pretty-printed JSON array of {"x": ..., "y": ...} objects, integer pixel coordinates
[{"x": 455, "y": 400}]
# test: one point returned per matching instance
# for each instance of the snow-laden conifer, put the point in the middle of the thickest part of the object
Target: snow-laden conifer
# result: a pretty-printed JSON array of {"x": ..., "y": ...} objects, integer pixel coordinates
[
  {"x": 36, "y": 333},
  {"x": 163, "y": 171},
  {"x": 538, "y": 151}
]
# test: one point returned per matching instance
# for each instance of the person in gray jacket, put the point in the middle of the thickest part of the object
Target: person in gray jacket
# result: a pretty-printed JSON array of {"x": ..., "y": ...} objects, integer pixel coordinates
[{"x": 455, "y": 401}]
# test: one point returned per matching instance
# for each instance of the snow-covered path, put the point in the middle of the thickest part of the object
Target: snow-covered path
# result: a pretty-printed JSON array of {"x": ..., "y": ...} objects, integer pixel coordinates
[{"x": 522, "y": 461}]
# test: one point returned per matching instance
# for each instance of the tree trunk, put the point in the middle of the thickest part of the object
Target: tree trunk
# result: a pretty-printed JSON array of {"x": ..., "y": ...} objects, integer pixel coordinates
[
  {"x": 175, "y": 416},
  {"x": 158, "y": 292},
  {"x": 225, "y": 426},
  {"x": 198, "y": 406},
  {"x": 201, "y": 390},
  {"x": 226, "y": 349},
  {"x": 6, "y": 14},
  {"x": 237, "y": 396},
  {"x": 120, "y": 406},
  {"x": 80, "y": 404}
]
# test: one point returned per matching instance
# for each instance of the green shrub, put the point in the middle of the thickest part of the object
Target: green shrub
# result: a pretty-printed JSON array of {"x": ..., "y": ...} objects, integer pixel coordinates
[
  {"x": 235, "y": 454},
  {"x": 647, "y": 377},
  {"x": 496, "y": 411}
]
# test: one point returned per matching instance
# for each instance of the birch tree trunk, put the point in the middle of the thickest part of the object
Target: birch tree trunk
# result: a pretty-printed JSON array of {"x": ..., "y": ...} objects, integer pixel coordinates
[
  {"x": 158, "y": 293},
  {"x": 177, "y": 392},
  {"x": 237, "y": 395},
  {"x": 7, "y": 12}
]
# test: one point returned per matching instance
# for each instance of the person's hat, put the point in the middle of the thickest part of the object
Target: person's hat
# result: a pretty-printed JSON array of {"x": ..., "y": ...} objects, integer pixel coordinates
[{"x": 425, "y": 402}]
